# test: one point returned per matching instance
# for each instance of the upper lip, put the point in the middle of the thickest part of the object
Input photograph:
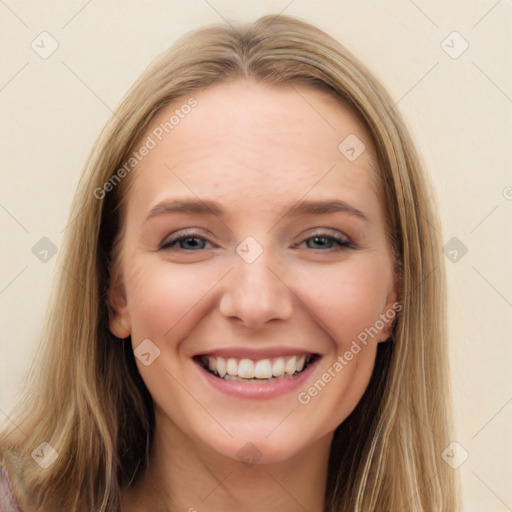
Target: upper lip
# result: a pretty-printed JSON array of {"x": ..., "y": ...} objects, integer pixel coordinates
[{"x": 254, "y": 354}]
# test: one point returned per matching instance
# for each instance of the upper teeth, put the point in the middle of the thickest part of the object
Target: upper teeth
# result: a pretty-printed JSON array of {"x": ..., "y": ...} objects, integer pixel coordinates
[{"x": 261, "y": 369}]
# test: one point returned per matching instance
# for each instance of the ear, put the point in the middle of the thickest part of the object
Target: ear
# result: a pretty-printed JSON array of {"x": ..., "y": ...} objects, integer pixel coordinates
[
  {"x": 391, "y": 308},
  {"x": 118, "y": 314}
]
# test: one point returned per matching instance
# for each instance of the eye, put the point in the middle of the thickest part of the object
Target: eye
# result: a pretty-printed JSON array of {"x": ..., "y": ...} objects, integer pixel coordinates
[
  {"x": 188, "y": 241},
  {"x": 323, "y": 240},
  {"x": 191, "y": 241}
]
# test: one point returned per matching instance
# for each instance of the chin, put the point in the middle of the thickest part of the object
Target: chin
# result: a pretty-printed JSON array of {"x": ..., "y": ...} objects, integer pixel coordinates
[{"x": 262, "y": 449}]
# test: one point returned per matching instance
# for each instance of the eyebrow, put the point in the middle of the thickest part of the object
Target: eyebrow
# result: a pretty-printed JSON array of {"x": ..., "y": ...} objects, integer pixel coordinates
[{"x": 207, "y": 207}]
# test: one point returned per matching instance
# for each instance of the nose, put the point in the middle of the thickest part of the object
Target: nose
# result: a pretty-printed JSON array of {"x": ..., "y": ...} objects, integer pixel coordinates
[{"x": 256, "y": 292}]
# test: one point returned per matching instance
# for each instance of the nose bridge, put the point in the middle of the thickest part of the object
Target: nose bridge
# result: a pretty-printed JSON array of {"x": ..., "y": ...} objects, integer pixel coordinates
[
  {"x": 258, "y": 275},
  {"x": 256, "y": 293}
]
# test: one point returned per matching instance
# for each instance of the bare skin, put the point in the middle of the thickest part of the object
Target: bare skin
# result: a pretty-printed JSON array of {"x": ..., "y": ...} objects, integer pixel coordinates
[{"x": 256, "y": 151}]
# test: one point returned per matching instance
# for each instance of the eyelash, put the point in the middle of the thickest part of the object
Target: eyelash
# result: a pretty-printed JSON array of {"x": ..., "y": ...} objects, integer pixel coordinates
[{"x": 341, "y": 242}]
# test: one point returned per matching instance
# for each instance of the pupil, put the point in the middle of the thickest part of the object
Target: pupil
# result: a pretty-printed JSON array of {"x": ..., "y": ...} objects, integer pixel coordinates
[
  {"x": 193, "y": 243},
  {"x": 318, "y": 240}
]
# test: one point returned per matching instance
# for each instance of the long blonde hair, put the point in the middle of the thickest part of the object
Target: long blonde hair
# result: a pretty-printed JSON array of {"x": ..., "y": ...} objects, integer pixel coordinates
[{"x": 84, "y": 395}]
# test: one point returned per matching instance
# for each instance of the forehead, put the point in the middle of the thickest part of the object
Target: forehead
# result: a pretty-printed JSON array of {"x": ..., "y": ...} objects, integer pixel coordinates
[{"x": 254, "y": 145}]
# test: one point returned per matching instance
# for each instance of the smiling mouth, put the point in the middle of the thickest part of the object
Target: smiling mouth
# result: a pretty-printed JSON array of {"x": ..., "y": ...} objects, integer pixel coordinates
[{"x": 263, "y": 370}]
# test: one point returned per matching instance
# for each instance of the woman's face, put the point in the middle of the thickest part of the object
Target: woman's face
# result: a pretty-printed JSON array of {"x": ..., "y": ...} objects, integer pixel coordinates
[{"x": 278, "y": 263}]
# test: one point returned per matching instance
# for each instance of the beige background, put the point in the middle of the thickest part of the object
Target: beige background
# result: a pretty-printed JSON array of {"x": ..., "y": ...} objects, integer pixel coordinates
[{"x": 458, "y": 109}]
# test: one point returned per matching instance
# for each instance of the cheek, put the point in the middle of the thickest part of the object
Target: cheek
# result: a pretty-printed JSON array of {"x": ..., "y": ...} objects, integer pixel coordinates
[
  {"x": 161, "y": 297},
  {"x": 347, "y": 299}
]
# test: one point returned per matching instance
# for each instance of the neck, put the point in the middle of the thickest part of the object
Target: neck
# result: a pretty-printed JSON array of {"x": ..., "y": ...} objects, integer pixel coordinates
[{"x": 184, "y": 476}]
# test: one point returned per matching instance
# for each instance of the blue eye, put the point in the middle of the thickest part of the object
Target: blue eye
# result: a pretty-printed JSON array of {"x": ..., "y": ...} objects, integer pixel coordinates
[
  {"x": 191, "y": 242},
  {"x": 322, "y": 240},
  {"x": 186, "y": 242}
]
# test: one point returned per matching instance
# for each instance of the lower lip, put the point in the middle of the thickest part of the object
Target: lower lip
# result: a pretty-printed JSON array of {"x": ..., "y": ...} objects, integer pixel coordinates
[{"x": 258, "y": 390}]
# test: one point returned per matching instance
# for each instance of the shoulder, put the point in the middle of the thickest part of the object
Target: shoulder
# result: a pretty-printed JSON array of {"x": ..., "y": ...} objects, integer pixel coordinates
[{"x": 8, "y": 501}]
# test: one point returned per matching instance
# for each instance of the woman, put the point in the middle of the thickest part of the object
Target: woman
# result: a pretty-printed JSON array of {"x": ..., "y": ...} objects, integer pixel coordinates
[{"x": 250, "y": 312}]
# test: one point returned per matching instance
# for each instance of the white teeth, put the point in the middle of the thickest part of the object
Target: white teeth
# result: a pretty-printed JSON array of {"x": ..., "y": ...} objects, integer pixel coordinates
[
  {"x": 278, "y": 367},
  {"x": 246, "y": 369},
  {"x": 291, "y": 365},
  {"x": 263, "y": 369},
  {"x": 253, "y": 370},
  {"x": 221, "y": 366},
  {"x": 232, "y": 366}
]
